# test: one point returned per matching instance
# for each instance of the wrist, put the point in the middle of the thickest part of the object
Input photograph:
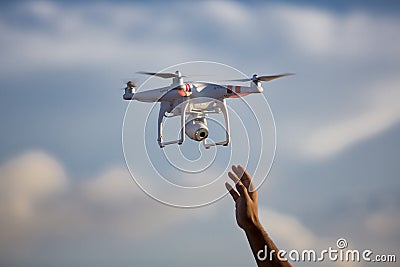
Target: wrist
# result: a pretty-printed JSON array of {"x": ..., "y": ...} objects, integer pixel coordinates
[{"x": 253, "y": 226}]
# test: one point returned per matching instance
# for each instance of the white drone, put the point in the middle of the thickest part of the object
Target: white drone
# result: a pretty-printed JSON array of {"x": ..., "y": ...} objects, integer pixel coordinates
[{"x": 193, "y": 101}]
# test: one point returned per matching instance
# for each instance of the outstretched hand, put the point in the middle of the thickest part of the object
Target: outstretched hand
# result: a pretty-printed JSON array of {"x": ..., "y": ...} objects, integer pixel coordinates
[
  {"x": 246, "y": 200},
  {"x": 245, "y": 197}
]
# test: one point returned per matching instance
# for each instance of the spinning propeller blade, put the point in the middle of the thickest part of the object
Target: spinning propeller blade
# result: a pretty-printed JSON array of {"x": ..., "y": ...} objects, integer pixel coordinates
[
  {"x": 265, "y": 78},
  {"x": 164, "y": 75},
  {"x": 272, "y": 77}
]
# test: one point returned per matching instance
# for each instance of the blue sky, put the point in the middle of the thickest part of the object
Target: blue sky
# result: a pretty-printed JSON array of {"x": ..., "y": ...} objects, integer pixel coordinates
[{"x": 66, "y": 195}]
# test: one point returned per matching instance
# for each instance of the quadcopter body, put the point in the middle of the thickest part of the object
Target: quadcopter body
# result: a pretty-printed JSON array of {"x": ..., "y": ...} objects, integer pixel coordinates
[{"x": 193, "y": 102}]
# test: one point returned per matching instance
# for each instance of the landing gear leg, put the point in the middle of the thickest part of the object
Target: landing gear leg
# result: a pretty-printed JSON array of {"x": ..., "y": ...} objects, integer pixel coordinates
[
  {"x": 222, "y": 106},
  {"x": 164, "y": 107}
]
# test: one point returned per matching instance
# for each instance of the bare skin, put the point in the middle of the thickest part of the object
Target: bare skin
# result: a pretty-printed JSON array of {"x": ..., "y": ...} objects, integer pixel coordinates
[{"x": 246, "y": 199}]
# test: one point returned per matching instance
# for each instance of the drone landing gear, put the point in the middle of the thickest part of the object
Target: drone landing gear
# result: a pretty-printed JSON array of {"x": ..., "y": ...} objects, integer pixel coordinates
[
  {"x": 165, "y": 106},
  {"x": 222, "y": 106}
]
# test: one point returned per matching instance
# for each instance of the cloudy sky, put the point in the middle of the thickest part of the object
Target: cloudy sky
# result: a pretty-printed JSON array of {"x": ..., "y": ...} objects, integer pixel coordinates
[{"x": 66, "y": 196}]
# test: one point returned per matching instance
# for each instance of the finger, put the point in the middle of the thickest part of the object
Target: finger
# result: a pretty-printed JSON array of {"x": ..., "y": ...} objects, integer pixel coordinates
[
  {"x": 234, "y": 177},
  {"x": 232, "y": 191},
  {"x": 242, "y": 189},
  {"x": 239, "y": 185},
  {"x": 246, "y": 179},
  {"x": 244, "y": 176}
]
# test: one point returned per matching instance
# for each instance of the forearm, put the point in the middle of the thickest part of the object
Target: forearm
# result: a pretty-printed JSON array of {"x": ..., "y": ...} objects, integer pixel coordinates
[{"x": 259, "y": 240}]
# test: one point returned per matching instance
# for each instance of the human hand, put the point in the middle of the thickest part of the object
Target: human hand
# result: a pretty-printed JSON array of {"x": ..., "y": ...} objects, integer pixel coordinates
[{"x": 245, "y": 197}]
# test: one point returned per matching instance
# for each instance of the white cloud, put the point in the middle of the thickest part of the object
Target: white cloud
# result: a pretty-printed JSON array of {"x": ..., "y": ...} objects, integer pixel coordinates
[
  {"x": 114, "y": 186},
  {"x": 348, "y": 36},
  {"x": 37, "y": 202},
  {"x": 89, "y": 35},
  {"x": 311, "y": 29},
  {"x": 383, "y": 224},
  {"x": 232, "y": 17},
  {"x": 288, "y": 230},
  {"x": 380, "y": 112},
  {"x": 123, "y": 33},
  {"x": 25, "y": 181}
]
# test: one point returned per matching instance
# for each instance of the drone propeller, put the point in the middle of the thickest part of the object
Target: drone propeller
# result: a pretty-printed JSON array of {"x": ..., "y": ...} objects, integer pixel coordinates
[
  {"x": 265, "y": 78},
  {"x": 164, "y": 75}
]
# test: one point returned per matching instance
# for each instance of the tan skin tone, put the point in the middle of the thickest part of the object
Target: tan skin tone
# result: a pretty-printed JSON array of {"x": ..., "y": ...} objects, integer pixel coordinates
[{"x": 246, "y": 200}]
